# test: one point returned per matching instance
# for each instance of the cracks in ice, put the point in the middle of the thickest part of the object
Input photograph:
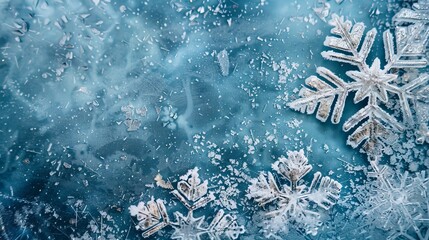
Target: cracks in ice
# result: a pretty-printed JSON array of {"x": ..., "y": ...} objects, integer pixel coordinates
[{"x": 193, "y": 193}]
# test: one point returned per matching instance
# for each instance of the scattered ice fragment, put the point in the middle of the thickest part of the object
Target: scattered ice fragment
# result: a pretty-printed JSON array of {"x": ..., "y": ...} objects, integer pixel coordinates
[{"x": 223, "y": 60}]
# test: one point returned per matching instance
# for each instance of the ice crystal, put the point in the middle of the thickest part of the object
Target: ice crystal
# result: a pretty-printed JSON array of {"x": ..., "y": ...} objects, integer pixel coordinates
[
  {"x": 373, "y": 125},
  {"x": 193, "y": 193},
  {"x": 293, "y": 203},
  {"x": 396, "y": 203}
]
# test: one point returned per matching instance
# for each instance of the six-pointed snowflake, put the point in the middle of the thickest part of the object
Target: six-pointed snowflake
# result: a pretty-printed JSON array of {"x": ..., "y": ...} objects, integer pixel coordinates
[
  {"x": 293, "y": 204},
  {"x": 396, "y": 203},
  {"x": 373, "y": 125}
]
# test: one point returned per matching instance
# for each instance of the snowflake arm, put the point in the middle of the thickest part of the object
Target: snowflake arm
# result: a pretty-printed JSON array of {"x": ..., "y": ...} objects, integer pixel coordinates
[
  {"x": 398, "y": 59},
  {"x": 348, "y": 41},
  {"x": 324, "y": 191},
  {"x": 411, "y": 33},
  {"x": 408, "y": 93},
  {"x": 224, "y": 224},
  {"x": 324, "y": 96},
  {"x": 152, "y": 216},
  {"x": 294, "y": 167},
  {"x": 264, "y": 189},
  {"x": 191, "y": 192}
]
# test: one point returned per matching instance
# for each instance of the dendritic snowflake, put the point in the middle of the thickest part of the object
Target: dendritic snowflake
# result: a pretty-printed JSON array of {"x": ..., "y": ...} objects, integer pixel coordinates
[
  {"x": 396, "y": 203},
  {"x": 373, "y": 125},
  {"x": 293, "y": 204},
  {"x": 193, "y": 194}
]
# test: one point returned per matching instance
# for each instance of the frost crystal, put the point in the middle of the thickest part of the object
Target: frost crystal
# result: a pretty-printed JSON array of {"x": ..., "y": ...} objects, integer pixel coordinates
[
  {"x": 373, "y": 125},
  {"x": 193, "y": 194},
  {"x": 293, "y": 204}
]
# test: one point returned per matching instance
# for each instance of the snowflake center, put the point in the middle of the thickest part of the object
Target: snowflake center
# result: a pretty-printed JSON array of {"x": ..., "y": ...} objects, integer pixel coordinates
[
  {"x": 189, "y": 230},
  {"x": 397, "y": 197}
]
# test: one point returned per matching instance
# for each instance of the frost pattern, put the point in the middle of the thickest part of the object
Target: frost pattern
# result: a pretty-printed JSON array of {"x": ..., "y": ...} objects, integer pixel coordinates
[
  {"x": 193, "y": 194},
  {"x": 373, "y": 125},
  {"x": 292, "y": 204}
]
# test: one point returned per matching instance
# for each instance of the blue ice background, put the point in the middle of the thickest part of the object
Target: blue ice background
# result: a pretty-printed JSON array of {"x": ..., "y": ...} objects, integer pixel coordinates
[{"x": 144, "y": 61}]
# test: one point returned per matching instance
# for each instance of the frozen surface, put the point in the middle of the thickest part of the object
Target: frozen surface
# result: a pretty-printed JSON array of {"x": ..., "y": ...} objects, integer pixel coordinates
[{"x": 214, "y": 119}]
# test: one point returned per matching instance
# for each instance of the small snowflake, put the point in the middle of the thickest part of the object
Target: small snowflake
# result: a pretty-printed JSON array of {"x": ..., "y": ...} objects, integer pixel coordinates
[{"x": 292, "y": 204}]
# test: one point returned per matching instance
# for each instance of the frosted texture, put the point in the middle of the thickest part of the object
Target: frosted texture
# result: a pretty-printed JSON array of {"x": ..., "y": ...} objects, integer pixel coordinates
[{"x": 214, "y": 119}]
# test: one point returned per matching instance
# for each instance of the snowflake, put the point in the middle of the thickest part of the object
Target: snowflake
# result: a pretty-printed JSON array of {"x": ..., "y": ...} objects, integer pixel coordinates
[
  {"x": 293, "y": 204},
  {"x": 372, "y": 84},
  {"x": 193, "y": 194},
  {"x": 396, "y": 203}
]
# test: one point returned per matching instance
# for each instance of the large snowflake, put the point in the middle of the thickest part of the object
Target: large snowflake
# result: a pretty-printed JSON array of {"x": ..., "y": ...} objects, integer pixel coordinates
[
  {"x": 293, "y": 204},
  {"x": 396, "y": 203},
  {"x": 372, "y": 84},
  {"x": 193, "y": 194}
]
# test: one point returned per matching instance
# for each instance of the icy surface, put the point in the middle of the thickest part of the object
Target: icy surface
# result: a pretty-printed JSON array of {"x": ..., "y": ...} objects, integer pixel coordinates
[{"x": 182, "y": 119}]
